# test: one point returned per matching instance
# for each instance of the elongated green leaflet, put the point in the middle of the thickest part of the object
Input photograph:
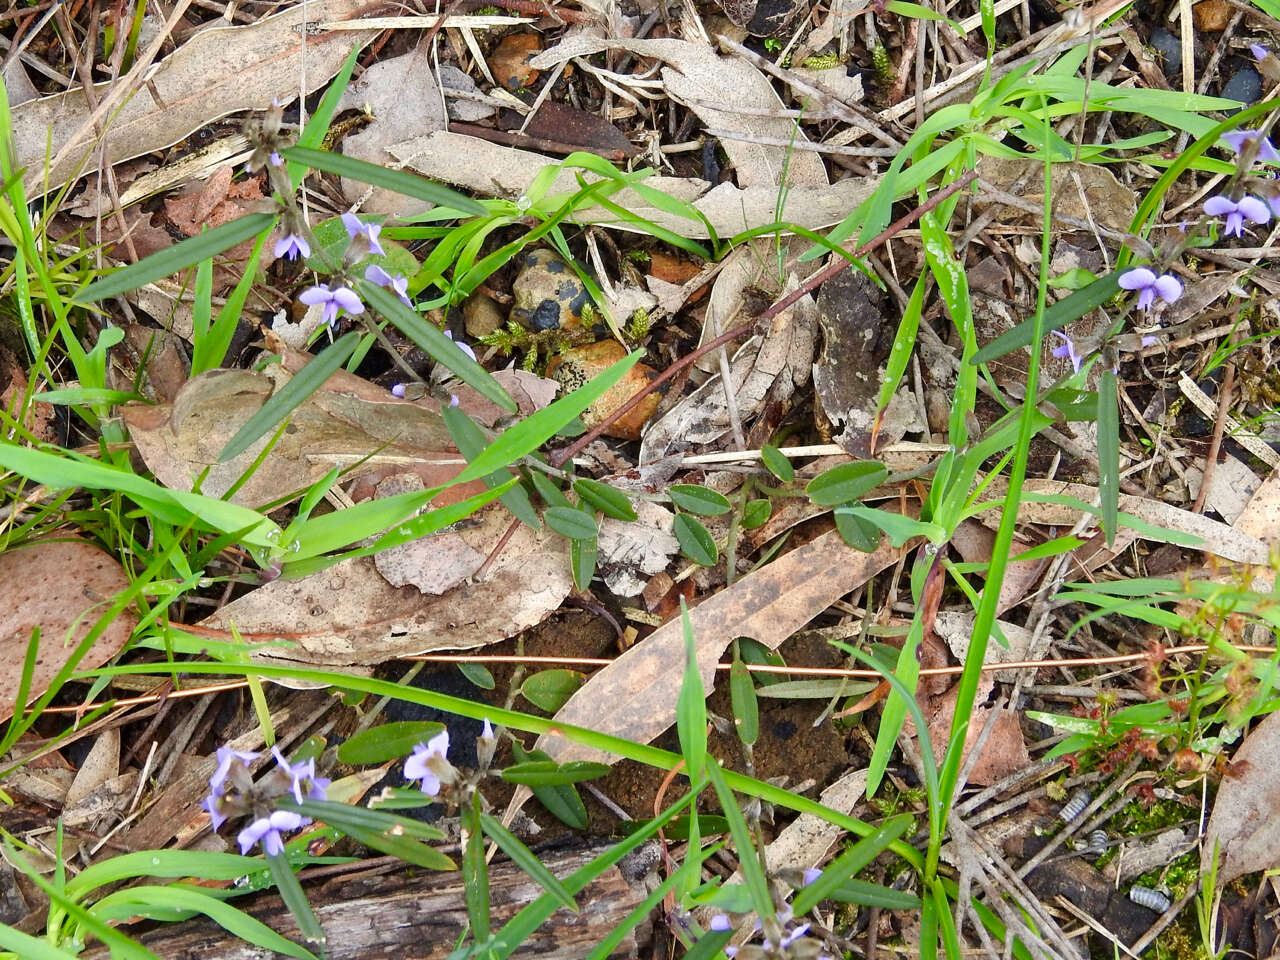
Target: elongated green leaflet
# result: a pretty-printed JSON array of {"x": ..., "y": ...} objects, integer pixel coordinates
[
  {"x": 387, "y": 741},
  {"x": 571, "y": 522},
  {"x": 181, "y": 255},
  {"x": 848, "y": 481},
  {"x": 700, "y": 500},
  {"x": 849, "y": 863},
  {"x": 397, "y": 180},
  {"x": 610, "y": 501}
]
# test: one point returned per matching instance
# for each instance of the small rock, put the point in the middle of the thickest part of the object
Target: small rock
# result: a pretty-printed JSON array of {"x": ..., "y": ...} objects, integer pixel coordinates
[
  {"x": 481, "y": 316},
  {"x": 577, "y": 366},
  {"x": 510, "y": 61},
  {"x": 1245, "y": 85},
  {"x": 547, "y": 294},
  {"x": 1170, "y": 49}
]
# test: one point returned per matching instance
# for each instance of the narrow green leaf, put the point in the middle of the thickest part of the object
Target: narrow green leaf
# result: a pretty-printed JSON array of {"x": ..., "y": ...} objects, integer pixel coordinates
[
  {"x": 548, "y": 773},
  {"x": 475, "y": 871},
  {"x": 848, "y": 481},
  {"x": 523, "y": 858},
  {"x": 348, "y": 817},
  {"x": 756, "y": 514},
  {"x": 1109, "y": 453},
  {"x": 698, "y": 545},
  {"x": 550, "y": 690},
  {"x": 742, "y": 695},
  {"x": 858, "y": 532},
  {"x": 699, "y": 500},
  {"x": 478, "y": 674},
  {"x": 387, "y": 741},
  {"x": 291, "y": 396},
  {"x": 583, "y": 555},
  {"x": 691, "y": 704},
  {"x": 874, "y": 895},
  {"x": 748, "y": 856},
  {"x": 185, "y": 253},
  {"x": 610, "y": 501},
  {"x": 845, "y": 866},
  {"x": 1058, "y": 315},
  {"x": 398, "y": 181},
  {"x": 777, "y": 464},
  {"x": 470, "y": 441},
  {"x": 437, "y": 346},
  {"x": 571, "y": 522},
  {"x": 317, "y": 127},
  {"x": 547, "y": 489}
]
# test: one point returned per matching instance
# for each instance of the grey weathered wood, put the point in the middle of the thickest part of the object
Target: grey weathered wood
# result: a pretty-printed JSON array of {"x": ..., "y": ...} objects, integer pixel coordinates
[{"x": 417, "y": 915}]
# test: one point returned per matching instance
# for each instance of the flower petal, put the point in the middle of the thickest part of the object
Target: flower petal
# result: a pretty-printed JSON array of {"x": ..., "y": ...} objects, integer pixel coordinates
[
  {"x": 317, "y": 294},
  {"x": 347, "y": 300},
  {"x": 1254, "y": 209},
  {"x": 353, "y": 224},
  {"x": 1137, "y": 279},
  {"x": 1169, "y": 288},
  {"x": 375, "y": 274},
  {"x": 1219, "y": 206}
]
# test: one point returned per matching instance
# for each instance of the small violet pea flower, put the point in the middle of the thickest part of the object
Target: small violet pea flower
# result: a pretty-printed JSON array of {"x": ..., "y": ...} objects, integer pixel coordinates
[
  {"x": 1258, "y": 50},
  {"x": 218, "y": 782},
  {"x": 1236, "y": 139},
  {"x": 1250, "y": 208},
  {"x": 397, "y": 390},
  {"x": 1166, "y": 286},
  {"x": 425, "y": 756},
  {"x": 1067, "y": 350},
  {"x": 358, "y": 228},
  {"x": 720, "y": 923},
  {"x": 340, "y": 298},
  {"x": 292, "y": 244},
  {"x": 398, "y": 284},
  {"x": 275, "y": 159},
  {"x": 465, "y": 348},
  {"x": 811, "y": 874},
  {"x": 302, "y": 773},
  {"x": 268, "y": 830}
]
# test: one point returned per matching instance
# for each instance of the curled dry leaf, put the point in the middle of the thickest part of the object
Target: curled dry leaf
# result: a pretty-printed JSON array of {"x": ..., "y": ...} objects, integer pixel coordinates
[
  {"x": 494, "y": 170},
  {"x": 432, "y": 564},
  {"x": 212, "y": 74},
  {"x": 1245, "y": 823},
  {"x": 62, "y": 588},
  {"x": 632, "y": 552},
  {"x": 349, "y": 615}
]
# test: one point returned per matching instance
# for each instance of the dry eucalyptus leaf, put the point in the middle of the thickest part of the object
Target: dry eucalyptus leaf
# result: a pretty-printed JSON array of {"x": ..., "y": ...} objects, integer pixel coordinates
[
  {"x": 61, "y": 587},
  {"x": 349, "y": 614},
  {"x": 402, "y": 97},
  {"x": 494, "y": 170},
  {"x": 101, "y": 763},
  {"x": 1085, "y": 191},
  {"x": 213, "y": 73},
  {"x": 712, "y": 86},
  {"x": 1245, "y": 823},
  {"x": 856, "y": 338},
  {"x": 635, "y": 696},
  {"x": 180, "y": 441},
  {"x": 433, "y": 564}
]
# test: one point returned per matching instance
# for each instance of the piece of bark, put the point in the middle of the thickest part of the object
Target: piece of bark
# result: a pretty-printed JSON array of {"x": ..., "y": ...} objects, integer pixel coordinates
[{"x": 421, "y": 916}]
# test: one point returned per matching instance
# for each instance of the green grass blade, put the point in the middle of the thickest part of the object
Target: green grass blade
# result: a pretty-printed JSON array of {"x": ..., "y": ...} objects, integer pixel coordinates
[
  {"x": 291, "y": 396},
  {"x": 317, "y": 128},
  {"x": 396, "y": 180},
  {"x": 849, "y": 863},
  {"x": 1066, "y": 310},
  {"x": 1109, "y": 453},
  {"x": 748, "y": 856},
  {"x": 524, "y": 858},
  {"x": 169, "y": 261},
  {"x": 691, "y": 704}
]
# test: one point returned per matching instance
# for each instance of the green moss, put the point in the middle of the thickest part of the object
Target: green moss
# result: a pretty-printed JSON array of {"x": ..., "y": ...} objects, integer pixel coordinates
[{"x": 825, "y": 62}]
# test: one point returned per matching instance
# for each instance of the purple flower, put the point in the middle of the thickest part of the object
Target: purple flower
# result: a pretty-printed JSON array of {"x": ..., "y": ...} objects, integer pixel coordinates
[
  {"x": 268, "y": 829},
  {"x": 375, "y": 274},
  {"x": 397, "y": 390},
  {"x": 1150, "y": 286},
  {"x": 1237, "y": 139},
  {"x": 292, "y": 244},
  {"x": 461, "y": 346},
  {"x": 720, "y": 923},
  {"x": 340, "y": 298},
  {"x": 1250, "y": 208},
  {"x": 275, "y": 159},
  {"x": 218, "y": 782},
  {"x": 811, "y": 875},
  {"x": 358, "y": 228},
  {"x": 1067, "y": 350},
  {"x": 1150, "y": 341},
  {"x": 1258, "y": 50},
  {"x": 306, "y": 785},
  {"x": 426, "y": 763},
  {"x": 486, "y": 731}
]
